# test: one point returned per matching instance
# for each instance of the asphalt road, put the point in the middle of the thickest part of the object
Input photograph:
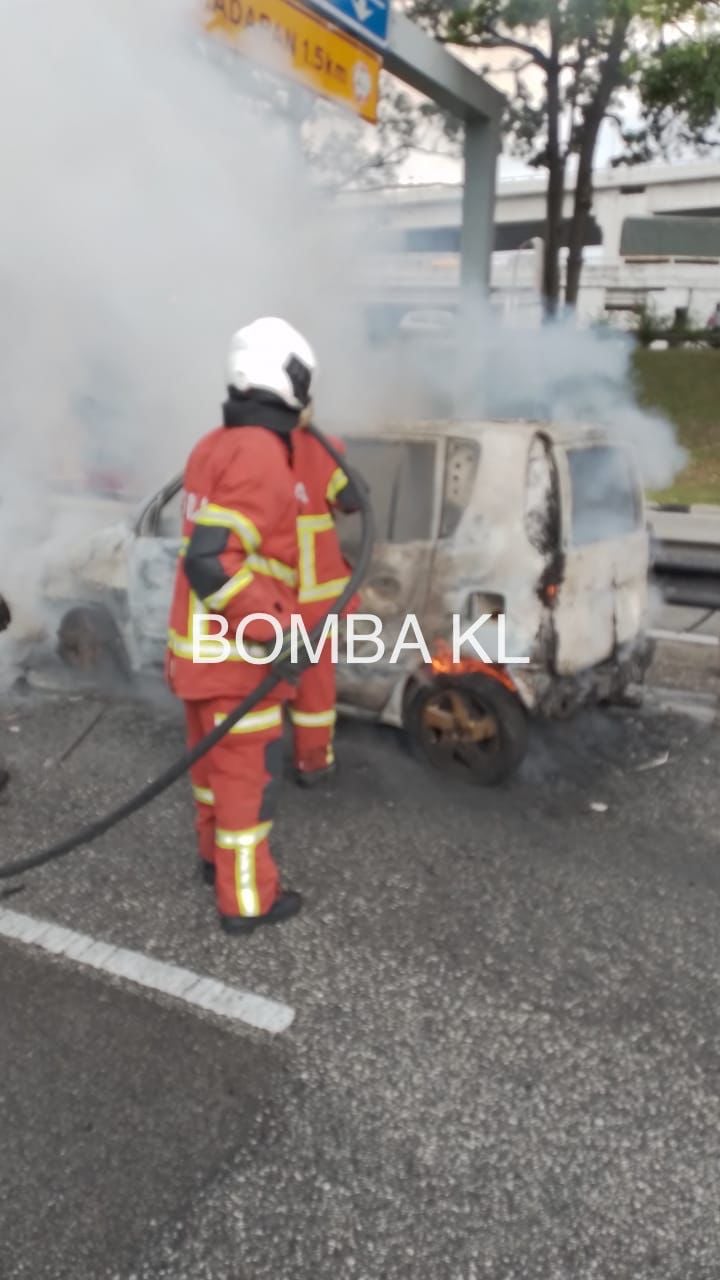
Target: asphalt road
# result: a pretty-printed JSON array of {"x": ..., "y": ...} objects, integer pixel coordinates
[{"x": 505, "y": 1059}]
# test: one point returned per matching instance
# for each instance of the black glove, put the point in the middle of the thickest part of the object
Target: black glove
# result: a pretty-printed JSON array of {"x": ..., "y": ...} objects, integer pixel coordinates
[{"x": 283, "y": 663}]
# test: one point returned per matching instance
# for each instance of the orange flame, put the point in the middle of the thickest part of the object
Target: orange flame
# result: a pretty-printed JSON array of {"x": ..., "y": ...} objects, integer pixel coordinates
[{"x": 443, "y": 664}]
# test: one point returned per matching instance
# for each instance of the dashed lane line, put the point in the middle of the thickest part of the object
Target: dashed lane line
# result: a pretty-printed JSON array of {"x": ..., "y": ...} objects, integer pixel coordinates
[{"x": 144, "y": 971}]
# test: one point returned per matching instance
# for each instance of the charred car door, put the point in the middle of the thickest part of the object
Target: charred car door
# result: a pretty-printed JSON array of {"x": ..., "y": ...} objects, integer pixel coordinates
[
  {"x": 602, "y": 597},
  {"x": 151, "y": 572},
  {"x": 404, "y": 477}
]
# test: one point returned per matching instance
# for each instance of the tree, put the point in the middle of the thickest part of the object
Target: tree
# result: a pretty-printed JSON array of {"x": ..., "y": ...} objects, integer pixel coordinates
[
  {"x": 570, "y": 61},
  {"x": 678, "y": 82},
  {"x": 344, "y": 152},
  {"x": 340, "y": 148}
]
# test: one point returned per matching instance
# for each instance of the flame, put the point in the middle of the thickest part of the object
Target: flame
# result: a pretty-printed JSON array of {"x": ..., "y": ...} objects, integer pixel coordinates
[{"x": 442, "y": 664}]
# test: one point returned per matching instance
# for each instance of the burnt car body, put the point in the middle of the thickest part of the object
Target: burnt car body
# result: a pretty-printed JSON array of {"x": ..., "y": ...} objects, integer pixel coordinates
[{"x": 540, "y": 524}]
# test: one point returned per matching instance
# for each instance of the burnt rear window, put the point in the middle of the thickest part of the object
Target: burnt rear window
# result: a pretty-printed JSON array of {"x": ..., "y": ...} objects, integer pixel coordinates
[
  {"x": 401, "y": 477},
  {"x": 604, "y": 494}
]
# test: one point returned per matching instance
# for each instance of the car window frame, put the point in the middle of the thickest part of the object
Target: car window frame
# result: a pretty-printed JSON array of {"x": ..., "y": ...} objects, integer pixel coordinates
[
  {"x": 434, "y": 442},
  {"x": 626, "y": 454},
  {"x": 147, "y": 524}
]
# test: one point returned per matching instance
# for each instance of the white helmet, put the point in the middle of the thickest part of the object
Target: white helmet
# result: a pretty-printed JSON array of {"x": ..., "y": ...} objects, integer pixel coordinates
[{"x": 269, "y": 355}]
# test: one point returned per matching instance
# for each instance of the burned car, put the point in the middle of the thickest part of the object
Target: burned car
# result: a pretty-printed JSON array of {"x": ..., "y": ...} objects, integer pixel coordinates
[{"x": 539, "y": 529}]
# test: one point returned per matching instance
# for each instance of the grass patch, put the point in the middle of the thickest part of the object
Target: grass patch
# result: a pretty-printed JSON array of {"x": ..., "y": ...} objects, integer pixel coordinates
[{"x": 685, "y": 385}]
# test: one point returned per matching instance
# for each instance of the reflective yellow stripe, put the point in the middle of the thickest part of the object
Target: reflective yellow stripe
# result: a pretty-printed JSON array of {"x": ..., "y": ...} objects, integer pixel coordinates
[
  {"x": 273, "y": 569},
  {"x": 244, "y": 843},
  {"x": 246, "y": 881},
  {"x": 248, "y": 836},
  {"x": 313, "y": 719},
  {"x": 254, "y": 721},
  {"x": 322, "y": 591},
  {"x": 338, "y": 481},
  {"x": 182, "y": 647},
  {"x": 225, "y": 518},
  {"x": 316, "y": 524},
  {"x": 259, "y": 564},
  {"x": 203, "y": 795},
  {"x": 232, "y": 588},
  {"x": 308, "y": 528}
]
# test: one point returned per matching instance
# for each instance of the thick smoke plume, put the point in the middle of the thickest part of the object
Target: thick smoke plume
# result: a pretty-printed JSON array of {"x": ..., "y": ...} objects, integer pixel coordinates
[
  {"x": 149, "y": 209},
  {"x": 490, "y": 366}
]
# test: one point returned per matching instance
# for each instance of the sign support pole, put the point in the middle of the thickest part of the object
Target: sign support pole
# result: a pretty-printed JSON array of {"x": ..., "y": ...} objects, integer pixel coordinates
[
  {"x": 482, "y": 147},
  {"x": 421, "y": 62}
]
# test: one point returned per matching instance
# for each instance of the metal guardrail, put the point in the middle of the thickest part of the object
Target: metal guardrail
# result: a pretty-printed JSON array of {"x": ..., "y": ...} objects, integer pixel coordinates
[{"x": 685, "y": 555}]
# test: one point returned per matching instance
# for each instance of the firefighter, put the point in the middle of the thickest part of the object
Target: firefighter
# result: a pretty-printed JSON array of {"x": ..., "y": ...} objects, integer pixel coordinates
[
  {"x": 321, "y": 489},
  {"x": 239, "y": 557}
]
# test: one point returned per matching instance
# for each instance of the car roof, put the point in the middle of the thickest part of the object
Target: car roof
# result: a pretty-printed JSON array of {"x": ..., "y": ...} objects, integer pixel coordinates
[{"x": 521, "y": 428}]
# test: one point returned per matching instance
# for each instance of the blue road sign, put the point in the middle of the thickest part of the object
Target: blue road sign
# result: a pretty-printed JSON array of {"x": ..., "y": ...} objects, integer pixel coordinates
[{"x": 367, "y": 19}]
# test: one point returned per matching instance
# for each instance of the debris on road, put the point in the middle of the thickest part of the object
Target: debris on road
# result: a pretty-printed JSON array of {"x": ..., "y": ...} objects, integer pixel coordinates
[
  {"x": 656, "y": 763},
  {"x": 79, "y": 738}
]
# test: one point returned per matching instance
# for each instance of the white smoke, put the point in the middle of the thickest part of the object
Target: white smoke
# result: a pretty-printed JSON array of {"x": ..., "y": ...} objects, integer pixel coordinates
[
  {"x": 569, "y": 374},
  {"x": 148, "y": 210},
  {"x": 489, "y": 366}
]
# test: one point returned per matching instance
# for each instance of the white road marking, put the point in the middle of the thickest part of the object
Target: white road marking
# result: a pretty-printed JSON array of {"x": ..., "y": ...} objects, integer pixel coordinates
[
  {"x": 685, "y": 637},
  {"x": 702, "y": 707},
  {"x": 183, "y": 984}
]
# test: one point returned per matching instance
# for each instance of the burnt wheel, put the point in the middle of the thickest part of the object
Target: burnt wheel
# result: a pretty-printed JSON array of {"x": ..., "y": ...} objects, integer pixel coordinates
[
  {"x": 471, "y": 726},
  {"x": 90, "y": 642}
]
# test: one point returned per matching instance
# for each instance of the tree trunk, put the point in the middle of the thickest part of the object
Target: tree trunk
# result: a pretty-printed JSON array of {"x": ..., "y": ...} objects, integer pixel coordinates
[
  {"x": 593, "y": 116},
  {"x": 553, "y": 234},
  {"x": 556, "y": 182},
  {"x": 582, "y": 206},
  {"x": 556, "y": 174}
]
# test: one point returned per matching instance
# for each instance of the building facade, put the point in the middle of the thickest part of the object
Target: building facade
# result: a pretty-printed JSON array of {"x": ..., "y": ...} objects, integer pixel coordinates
[{"x": 411, "y": 259}]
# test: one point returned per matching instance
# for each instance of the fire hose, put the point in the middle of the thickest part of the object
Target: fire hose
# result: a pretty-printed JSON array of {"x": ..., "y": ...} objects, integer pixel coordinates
[{"x": 278, "y": 671}]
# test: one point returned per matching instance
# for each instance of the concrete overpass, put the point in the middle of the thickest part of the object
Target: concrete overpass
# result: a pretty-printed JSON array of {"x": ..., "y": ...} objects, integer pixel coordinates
[
  {"x": 411, "y": 244},
  {"x": 422, "y": 219}
]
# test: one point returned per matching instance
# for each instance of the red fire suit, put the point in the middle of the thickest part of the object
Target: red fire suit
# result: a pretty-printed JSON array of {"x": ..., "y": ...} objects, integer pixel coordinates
[
  {"x": 321, "y": 488},
  {"x": 239, "y": 557}
]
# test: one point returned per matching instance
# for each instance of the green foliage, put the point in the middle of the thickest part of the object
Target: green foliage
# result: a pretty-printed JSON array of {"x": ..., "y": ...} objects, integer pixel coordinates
[
  {"x": 570, "y": 62},
  {"x": 571, "y": 42},
  {"x": 685, "y": 385},
  {"x": 679, "y": 86}
]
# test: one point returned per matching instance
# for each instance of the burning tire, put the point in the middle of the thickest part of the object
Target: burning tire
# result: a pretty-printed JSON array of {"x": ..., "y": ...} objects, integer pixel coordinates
[
  {"x": 90, "y": 642},
  {"x": 469, "y": 725}
]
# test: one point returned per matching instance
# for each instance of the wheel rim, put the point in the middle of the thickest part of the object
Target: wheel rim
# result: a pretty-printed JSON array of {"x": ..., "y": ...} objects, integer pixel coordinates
[
  {"x": 458, "y": 729},
  {"x": 80, "y": 647}
]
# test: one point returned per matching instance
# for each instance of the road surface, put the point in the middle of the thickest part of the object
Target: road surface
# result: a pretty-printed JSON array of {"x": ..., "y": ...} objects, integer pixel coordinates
[{"x": 504, "y": 1059}]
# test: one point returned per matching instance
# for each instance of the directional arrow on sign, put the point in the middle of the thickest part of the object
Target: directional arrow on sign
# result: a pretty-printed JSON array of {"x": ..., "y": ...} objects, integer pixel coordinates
[{"x": 366, "y": 18}]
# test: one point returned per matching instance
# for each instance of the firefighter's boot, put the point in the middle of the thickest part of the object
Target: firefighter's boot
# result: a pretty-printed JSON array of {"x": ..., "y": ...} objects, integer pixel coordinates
[
  {"x": 311, "y": 777},
  {"x": 286, "y": 905}
]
